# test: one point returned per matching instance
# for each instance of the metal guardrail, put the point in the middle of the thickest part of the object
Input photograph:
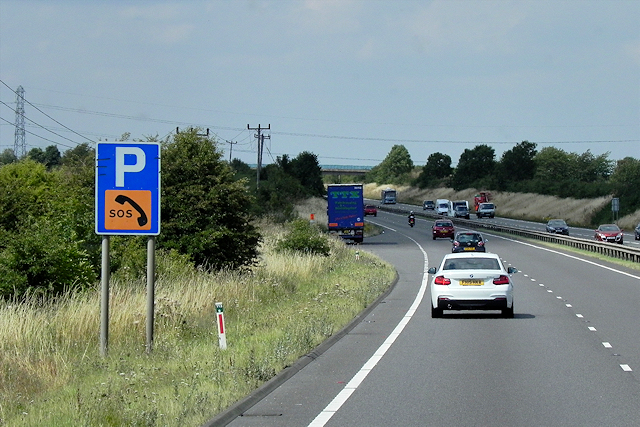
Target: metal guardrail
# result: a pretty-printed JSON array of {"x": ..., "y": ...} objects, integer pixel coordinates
[{"x": 613, "y": 250}]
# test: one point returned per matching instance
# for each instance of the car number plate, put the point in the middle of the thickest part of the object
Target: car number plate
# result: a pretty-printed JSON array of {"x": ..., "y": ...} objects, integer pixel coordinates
[
  {"x": 471, "y": 282},
  {"x": 471, "y": 248}
]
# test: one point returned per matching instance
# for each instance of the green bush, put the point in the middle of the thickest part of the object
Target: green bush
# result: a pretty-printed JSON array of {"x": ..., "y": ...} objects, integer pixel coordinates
[
  {"x": 303, "y": 237},
  {"x": 43, "y": 256}
]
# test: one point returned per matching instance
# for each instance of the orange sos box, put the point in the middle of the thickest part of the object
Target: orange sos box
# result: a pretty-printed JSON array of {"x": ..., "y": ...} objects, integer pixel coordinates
[{"x": 127, "y": 210}]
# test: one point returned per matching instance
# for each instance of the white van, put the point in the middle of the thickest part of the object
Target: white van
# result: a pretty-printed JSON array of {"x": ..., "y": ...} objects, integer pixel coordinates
[{"x": 442, "y": 206}]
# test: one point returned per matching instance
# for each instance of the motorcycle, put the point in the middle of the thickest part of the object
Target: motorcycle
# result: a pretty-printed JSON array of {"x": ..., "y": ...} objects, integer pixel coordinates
[{"x": 412, "y": 221}]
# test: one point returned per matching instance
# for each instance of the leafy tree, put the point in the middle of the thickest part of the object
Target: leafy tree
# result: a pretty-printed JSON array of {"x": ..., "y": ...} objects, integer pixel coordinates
[
  {"x": 25, "y": 192},
  {"x": 394, "y": 169},
  {"x": 590, "y": 168},
  {"x": 81, "y": 155},
  {"x": 7, "y": 157},
  {"x": 438, "y": 166},
  {"x": 552, "y": 164},
  {"x": 475, "y": 167},
  {"x": 307, "y": 170},
  {"x": 279, "y": 191},
  {"x": 517, "y": 164},
  {"x": 205, "y": 212},
  {"x": 625, "y": 181},
  {"x": 50, "y": 157},
  {"x": 241, "y": 167},
  {"x": 47, "y": 242},
  {"x": 43, "y": 255}
]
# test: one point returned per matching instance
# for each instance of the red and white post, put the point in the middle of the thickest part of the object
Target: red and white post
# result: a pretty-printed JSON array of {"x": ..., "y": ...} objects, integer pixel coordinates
[{"x": 222, "y": 338}]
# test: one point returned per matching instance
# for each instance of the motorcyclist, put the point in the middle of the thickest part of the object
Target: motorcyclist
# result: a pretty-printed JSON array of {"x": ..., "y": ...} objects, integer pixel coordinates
[{"x": 412, "y": 217}]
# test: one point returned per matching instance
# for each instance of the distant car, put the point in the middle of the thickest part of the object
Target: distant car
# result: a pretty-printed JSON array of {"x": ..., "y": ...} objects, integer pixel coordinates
[
  {"x": 429, "y": 204},
  {"x": 461, "y": 211},
  {"x": 558, "y": 226},
  {"x": 609, "y": 233},
  {"x": 486, "y": 210},
  {"x": 638, "y": 231},
  {"x": 468, "y": 241},
  {"x": 471, "y": 281},
  {"x": 370, "y": 210},
  {"x": 442, "y": 228}
]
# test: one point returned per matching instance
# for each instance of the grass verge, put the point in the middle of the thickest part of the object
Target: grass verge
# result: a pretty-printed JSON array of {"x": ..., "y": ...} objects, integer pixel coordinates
[{"x": 52, "y": 373}]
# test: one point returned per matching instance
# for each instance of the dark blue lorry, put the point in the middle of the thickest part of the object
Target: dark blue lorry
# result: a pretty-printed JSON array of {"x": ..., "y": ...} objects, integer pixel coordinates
[{"x": 345, "y": 211}]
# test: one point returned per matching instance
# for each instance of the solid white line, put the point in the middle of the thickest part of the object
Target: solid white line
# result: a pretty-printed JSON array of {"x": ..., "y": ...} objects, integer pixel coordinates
[{"x": 323, "y": 417}]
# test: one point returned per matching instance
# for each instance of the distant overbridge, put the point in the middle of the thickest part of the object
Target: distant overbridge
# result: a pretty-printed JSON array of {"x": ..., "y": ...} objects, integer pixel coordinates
[{"x": 344, "y": 169}]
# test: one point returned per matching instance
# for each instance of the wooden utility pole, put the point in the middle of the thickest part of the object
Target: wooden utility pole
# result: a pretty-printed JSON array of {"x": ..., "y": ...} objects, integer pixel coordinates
[{"x": 261, "y": 139}]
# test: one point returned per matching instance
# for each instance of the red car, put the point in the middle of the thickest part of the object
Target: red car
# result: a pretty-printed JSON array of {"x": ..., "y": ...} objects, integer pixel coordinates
[
  {"x": 442, "y": 228},
  {"x": 370, "y": 210},
  {"x": 609, "y": 233}
]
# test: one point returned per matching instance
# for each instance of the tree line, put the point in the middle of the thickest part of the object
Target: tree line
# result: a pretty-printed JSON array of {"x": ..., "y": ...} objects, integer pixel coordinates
[
  {"x": 523, "y": 168},
  {"x": 209, "y": 206}
]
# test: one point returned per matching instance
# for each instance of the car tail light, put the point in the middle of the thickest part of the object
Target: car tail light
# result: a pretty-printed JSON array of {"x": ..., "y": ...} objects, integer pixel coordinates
[
  {"x": 456, "y": 243},
  {"x": 441, "y": 280},
  {"x": 502, "y": 280},
  {"x": 480, "y": 243}
]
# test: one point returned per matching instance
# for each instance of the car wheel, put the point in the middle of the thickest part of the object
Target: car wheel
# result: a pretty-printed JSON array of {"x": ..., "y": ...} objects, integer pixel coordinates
[
  {"x": 434, "y": 237},
  {"x": 436, "y": 312},
  {"x": 508, "y": 312}
]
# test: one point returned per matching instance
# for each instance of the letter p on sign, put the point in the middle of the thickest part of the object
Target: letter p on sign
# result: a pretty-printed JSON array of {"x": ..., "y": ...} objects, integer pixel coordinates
[{"x": 122, "y": 167}]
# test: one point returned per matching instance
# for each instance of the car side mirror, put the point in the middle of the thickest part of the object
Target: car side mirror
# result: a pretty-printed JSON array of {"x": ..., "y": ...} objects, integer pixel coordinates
[
  {"x": 512, "y": 270},
  {"x": 431, "y": 270}
]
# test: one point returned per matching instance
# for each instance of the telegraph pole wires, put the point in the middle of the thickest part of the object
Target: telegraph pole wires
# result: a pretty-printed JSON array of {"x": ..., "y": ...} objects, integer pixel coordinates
[{"x": 261, "y": 139}]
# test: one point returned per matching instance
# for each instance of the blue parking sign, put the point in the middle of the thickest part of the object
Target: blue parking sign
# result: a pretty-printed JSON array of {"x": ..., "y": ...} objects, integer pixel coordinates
[{"x": 127, "y": 197}]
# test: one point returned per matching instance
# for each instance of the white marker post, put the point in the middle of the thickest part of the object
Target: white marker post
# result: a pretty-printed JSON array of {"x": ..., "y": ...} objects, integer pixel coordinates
[{"x": 222, "y": 338}]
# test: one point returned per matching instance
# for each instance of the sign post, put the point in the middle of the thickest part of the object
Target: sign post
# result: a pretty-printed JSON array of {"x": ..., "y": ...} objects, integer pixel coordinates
[
  {"x": 615, "y": 208},
  {"x": 127, "y": 202}
]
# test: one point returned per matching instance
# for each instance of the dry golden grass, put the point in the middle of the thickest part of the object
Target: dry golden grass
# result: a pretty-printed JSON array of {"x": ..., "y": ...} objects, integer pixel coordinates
[
  {"x": 531, "y": 207},
  {"x": 52, "y": 373}
]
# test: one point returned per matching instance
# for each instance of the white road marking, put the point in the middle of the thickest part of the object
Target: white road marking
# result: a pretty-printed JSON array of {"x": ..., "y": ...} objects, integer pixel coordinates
[
  {"x": 591, "y": 328},
  {"x": 626, "y": 368},
  {"x": 607, "y": 345},
  {"x": 323, "y": 417}
]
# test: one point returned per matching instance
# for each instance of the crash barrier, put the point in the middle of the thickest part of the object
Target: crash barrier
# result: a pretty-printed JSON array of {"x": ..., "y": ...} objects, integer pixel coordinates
[{"x": 613, "y": 250}]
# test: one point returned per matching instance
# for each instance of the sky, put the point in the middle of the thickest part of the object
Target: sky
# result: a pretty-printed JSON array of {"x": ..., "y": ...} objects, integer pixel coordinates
[{"x": 345, "y": 80}]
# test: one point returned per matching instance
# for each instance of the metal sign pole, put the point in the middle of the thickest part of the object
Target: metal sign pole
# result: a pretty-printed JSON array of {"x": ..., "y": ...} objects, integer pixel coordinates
[
  {"x": 104, "y": 307},
  {"x": 151, "y": 268}
]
